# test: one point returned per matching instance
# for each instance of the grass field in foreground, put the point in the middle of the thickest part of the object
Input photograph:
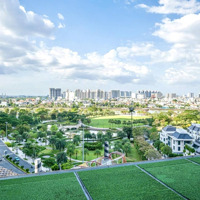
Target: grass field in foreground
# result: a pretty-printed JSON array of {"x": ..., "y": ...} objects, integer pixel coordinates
[
  {"x": 59, "y": 186},
  {"x": 181, "y": 175},
  {"x": 102, "y": 122},
  {"x": 196, "y": 159},
  {"x": 124, "y": 183}
]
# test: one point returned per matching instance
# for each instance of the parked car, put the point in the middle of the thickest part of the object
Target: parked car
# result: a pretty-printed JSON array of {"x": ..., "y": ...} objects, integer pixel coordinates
[{"x": 16, "y": 158}]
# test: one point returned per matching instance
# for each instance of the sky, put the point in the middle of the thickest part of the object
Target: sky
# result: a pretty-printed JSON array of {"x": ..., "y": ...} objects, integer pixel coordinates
[{"x": 99, "y": 44}]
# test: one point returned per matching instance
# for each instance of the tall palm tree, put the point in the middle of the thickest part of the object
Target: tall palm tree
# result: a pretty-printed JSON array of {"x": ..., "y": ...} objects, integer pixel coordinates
[
  {"x": 97, "y": 152},
  {"x": 61, "y": 157}
]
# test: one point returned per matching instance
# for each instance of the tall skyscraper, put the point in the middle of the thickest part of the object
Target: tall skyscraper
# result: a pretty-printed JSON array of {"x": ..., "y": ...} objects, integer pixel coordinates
[{"x": 54, "y": 93}]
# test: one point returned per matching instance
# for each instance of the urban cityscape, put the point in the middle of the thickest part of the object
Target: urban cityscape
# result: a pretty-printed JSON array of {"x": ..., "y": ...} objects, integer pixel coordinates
[{"x": 99, "y": 100}]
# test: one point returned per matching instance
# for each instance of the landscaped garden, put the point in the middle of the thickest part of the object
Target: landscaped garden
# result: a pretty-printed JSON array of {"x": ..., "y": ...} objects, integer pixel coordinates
[
  {"x": 59, "y": 186},
  {"x": 181, "y": 175},
  {"x": 116, "y": 121},
  {"x": 124, "y": 183}
]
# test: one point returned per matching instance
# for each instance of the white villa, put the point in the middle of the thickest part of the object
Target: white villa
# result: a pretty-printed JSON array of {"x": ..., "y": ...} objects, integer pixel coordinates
[
  {"x": 175, "y": 138},
  {"x": 194, "y": 131}
]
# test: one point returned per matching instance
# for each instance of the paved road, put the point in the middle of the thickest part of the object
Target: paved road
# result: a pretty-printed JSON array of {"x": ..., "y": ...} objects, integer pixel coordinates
[{"x": 22, "y": 162}]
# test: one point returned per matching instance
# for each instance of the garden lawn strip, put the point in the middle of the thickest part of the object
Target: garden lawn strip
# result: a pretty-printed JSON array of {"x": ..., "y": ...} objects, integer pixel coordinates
[
  {"x": 181, "y": 175},
  {"x": 124, "y": 183}
]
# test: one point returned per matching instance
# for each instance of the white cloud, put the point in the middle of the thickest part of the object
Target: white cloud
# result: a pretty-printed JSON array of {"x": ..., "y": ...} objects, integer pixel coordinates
[
  {"x": 15, "y": 20},
  {"x": 183, "y": 30},
  {"x": 60, "y": 25},
  {"x": 60, "y": 16},
  {"x": 182, "y": 7}
]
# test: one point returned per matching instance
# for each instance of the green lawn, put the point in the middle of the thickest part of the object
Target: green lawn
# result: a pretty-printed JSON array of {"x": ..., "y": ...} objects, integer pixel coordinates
[
  {"x": 102, "y": 122},
  {"x": 182, "y": 175},
  {"x": 48, "y": 152},
  {"x": 197, "y": 159},
  {"x": 49, "y": 187},
  {"x": 124, "y": 183},
  {"x": 89, "y": 157},
  {"x": 133, "y": 156}
]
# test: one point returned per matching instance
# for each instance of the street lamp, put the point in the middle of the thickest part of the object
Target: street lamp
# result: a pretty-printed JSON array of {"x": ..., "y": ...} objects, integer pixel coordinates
[
  {"x": 6, "y": 132},
  {"x": 131, "y": 109},
  {"x": 83, "y": 144}
]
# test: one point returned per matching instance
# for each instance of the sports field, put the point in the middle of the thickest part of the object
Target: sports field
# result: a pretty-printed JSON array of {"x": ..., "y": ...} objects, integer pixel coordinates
[
  {"x": 181, "y": 175},
  {"x": 124, "y": 183},
  {"x": 103, "y": 122},
  {"x": 49, "y": 187}
]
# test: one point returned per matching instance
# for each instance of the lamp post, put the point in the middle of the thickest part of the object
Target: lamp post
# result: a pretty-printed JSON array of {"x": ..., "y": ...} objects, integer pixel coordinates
[
  {"x": 131, "y": 109},
  {"x": 83, "y": 144},
  {"x": 6, "y": 132}
]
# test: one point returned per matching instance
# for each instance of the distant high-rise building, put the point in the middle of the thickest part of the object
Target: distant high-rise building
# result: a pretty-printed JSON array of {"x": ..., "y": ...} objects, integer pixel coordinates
[
  {"x": 190, "y": 95},
  {"x": 171, "y": 95},
  {"x": 54, "y": 93},
  {"x": 115, "y": 94}
]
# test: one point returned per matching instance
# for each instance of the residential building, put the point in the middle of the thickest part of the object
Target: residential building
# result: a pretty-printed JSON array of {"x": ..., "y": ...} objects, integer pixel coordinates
[{"x": 175, "y": 138}]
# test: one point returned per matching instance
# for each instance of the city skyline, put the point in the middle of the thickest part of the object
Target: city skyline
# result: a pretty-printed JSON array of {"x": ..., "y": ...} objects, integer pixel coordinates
[{"x": 124, "y": 44}]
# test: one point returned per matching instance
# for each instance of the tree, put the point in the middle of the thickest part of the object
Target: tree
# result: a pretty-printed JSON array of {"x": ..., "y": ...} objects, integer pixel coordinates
[
  {"x": 118, "y": 146},
  {"x": 121, "y": 134},
  {"x": 127, "y": 131},
  {"x": 99, "y": 135},
  {"x": 97, "y": 152},
  {"x": 2, "y": 133},
  {"x": 52, "y": 141},
  {"x": 76, "y": 152},
  {"x": 88, "y": 135},
  {"x": 109, "y": 134},
  {"x": 127, "y": 148},
  {"x": 49, "y": 162},
  {"x": 61, "y": 157},
  {"x": 152, "y": 154},
  {"x": 166, "y": 150},
  {"x": 60, "y": 144},
  {"x": 154, "y": 136},
  {"x": 54, "y": 129},
  {"x": 86, "y": 152},
  {"x": 76, "y": 140},
  {"x": 71, "y": 150}
]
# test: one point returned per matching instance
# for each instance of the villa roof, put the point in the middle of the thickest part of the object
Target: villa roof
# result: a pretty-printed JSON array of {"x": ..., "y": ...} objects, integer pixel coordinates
[
  {"x": 169, "y": 128},
  {"x": 182, "y": 136}
]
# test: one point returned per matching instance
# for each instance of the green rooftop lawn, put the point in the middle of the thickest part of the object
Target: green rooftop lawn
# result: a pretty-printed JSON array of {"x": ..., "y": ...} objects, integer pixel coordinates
[
  {"x": 59, "y": 187},
  {"x": 195, "y": 159},
  {"x": 124, "y": 183},
  {"x": 181, "y": 175}
]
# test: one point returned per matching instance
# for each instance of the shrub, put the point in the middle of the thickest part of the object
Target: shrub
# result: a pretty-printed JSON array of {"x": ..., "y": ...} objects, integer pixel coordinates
[
  {"x": 66, "y": 166},
  {"x": 22, "y": 167},
  {"x": 8, "y": 144},
  {"x": 93, "y": 146},
  {"x": 27, "y": 170},
  {"x": 55, "y": 167}
]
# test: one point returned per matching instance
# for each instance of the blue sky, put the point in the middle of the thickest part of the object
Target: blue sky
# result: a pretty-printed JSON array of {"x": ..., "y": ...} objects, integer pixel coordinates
[{"x": 106, "y": 44}]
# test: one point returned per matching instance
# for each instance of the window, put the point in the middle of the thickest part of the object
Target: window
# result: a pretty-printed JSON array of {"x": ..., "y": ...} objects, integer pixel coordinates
[
  {"x": 179, "y": 142},
  {"x": 173, "y": 142},
  {"x": 173, "y": 147},
  {"x": 179, "y": 148},
  {"x": 164, "y": 139}
]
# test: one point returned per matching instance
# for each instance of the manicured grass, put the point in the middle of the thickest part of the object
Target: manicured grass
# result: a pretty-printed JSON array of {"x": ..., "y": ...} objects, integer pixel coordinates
[
  {"x": 124, "y": 117},
  {"x": 133, "y": 156},
  {"x": 48, "y": 151},
  {"x": 181, "y": 175},
  {"x": 102, "y": 122},
  {"x": 195, "y": 159},
  {"x": 59, "y": 186},
  {"x": 89, "y": 157},
  {"x": 124, "y": 183}
]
